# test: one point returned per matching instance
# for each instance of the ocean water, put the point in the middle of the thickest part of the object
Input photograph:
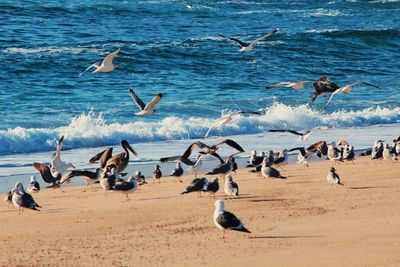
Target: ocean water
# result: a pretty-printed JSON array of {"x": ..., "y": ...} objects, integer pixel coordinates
[{"x": 170, "y": 48}]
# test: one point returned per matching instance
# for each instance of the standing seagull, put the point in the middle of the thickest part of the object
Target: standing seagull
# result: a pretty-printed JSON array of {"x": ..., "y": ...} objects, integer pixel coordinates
[
  {"x": 333, "y": 177},
  {"x": 145, "y": 110},
  {"x": 196, "y": 186},
  {"x": 303, "y": 136},
  {"x": 377, "y": 150},
  {"x": 224, "y": 220},
  {"x": 22, "y": 200},
  {"x": 33, "y": 186},
  {"x": 106, "y": 66},
  {"x": 227, "y": 119},
  {"x": 119, "y": 161},
  {"x": 347, "y": 89},
  {"x": 107, "y": 182},
  {"x": 387, "y": 153},
  {"x": 211, "y": 187},
  {"x": 334, "y": 154},
  {"x": 178, "y": 171},
  {"x": 269, "y": 172},
  {"x": 247, "y": 47},
  {"x": 157, "y": 173},
  {"x": 282, "y": 158},
  {"x": 126, "y": 187},
  {"x": 231, "y": 188}
]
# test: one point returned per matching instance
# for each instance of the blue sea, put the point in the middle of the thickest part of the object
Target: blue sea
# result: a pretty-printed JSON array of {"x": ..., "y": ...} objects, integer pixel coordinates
[{"x": 170, "y": 47}]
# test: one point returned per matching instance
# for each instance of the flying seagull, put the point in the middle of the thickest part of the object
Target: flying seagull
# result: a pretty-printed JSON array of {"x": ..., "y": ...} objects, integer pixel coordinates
[
  {"x": 247, "y": 47},
  {"x": 227, "y": 119},
  {"x": 347, "y": 89},
  {"x": 106, "y": 66},
  {"x": 145, "y": 110},
  {"x": 303, "y": 136},
  {"x": 210, "y": 150},
  {"x": 224, "y": 220},
  {"x": 293, "y": 85}
]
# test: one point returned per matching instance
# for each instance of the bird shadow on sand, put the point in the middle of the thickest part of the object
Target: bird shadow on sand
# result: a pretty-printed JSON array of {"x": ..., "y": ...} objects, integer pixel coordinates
[
  {"x": 282, "y": 236},
  {"x": 304, "y": 182},
  {"x": 58, "y": 210},
  {"x": 366, "y": 187},
  {"x": 155, "y": 198}
]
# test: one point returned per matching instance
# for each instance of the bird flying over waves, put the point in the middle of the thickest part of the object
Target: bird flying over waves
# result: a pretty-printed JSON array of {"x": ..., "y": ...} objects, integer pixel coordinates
[
  {"x": 303, "y": 136},
  {"x": 145, "y": 110},
  {"x": 347, "y": 89},
  {"x": 106, "y": 66},
  {"x": 247, "y": 47},
  {"x": 227, "y": 119}
]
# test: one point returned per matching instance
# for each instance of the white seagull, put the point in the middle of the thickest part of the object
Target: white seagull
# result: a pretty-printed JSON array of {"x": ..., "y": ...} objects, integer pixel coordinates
[
  {"x": 231, "y": 188},
  {"x": 227, "y": 119},
  {"x": 333, "y": 177},
  {"x": 126, "y": 187},
  {"x": 293, "y": 85},
  {"x": 33, "y": 186},
  {"x": 347, "y": 89},
  {"x": 57, "y": 165},
  {"x": 106, "y": 66},
  {"x": 224, "y": 220},
  {"x": 247, "y": 47},
  {"x": 145, "y": 110}
]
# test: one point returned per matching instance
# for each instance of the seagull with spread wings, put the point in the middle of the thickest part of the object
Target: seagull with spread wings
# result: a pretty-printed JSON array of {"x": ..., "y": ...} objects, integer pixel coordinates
[
  {"x": 303, "y": 136},
  {"x": 247, "y": 47},
  {"x": 106, "y": 66},
  {"x": 293, "y": 85},
  {"x": 347, "y": 89},
  {"x": 227, "y": 119},
  {"x": 145, "y": 110}
]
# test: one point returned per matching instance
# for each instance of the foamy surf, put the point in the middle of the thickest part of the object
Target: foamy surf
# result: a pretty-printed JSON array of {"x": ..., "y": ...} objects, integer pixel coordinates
[{"x": 90, "y": 130}]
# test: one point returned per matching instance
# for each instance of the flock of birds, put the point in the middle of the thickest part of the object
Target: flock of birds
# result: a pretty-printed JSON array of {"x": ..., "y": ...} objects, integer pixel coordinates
[
  {"x": 111, "y": 170},
  {"x": 111, "y": 167}
]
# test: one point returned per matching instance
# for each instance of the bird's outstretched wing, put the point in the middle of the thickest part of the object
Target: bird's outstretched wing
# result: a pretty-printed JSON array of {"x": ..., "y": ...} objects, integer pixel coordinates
[
  {"x": 301, "y": 149},
  {"x": 45, "y": 172},
  {"x": 109, "y": 58},
  {"x": 190, "y": 149},
  {"x": 253, "y": 43},
  {"x": 217, "y": 123},
  {"x": 102, "y": 157},
  {"x": 286, "y": 131},
  {"x": 293, "y": 85},
  {"x": 232, "y": 144},
  {"x": 234, "y": 40},
  {"x": 154, "y": 101},
  {"x": 136, "y": 99},
  {"x": 94, "y": 65}
]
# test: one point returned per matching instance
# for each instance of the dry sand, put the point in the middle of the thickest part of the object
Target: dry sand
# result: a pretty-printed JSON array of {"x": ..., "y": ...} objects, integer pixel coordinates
[{"x": 300, "y": 221}]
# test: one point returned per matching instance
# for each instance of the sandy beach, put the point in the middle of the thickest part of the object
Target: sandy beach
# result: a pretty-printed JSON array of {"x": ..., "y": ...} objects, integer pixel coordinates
[{"x": 300, "y": 221}]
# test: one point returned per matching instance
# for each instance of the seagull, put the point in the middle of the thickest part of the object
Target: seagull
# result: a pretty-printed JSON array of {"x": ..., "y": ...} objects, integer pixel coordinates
[
  {"x": 196, "y": 185},
  {"x": 196, "y": 167},
  {"x": 224, "y": 220},
  {"x": 348, "y": 153},
  {"x": 387, "y": 153},
  {"x": 231, "y": 188},
  {"x": 323, "y": 86},
  {"x": 47, "y": 176},
  {"x": 145, "y": 110},
  {"x": 247, "y": 47},
  {"x": 157, "y": 173},
  {"x": 106, "y": 66},
  {"x": 119, "y": 161},
  {"x": 377, "y": 150},
  {"x": 224, "y": 168},
  {"x": 33, "y": 186},
  {"x": 57, "y": 165},
  {"x": 210, "y": 150},
  {"x": 269, "y": 172},
  {"x": 303, "y": 136},
  {"x": 211, "y": 187},
  {"x": 334, "y": 154},
  {"x": 227, "y": 119},
  {"x": 8, "y": 197},
  {"x": 178, "y": 171},
  {"x": 22, "y": 200},
  {"x": 126, "y": 187},
  {"x": 107, "y": 182},
  {"x": 282, "y": 158},
  {"x": 140, "y": 178},
  {"x": 333, "y": 177},
  {"x": 347, "y": 89},
  {"x": 89, "y": 176}
]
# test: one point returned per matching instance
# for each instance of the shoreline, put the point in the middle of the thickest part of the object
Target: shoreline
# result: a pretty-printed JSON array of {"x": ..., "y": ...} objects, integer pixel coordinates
[{"x": 302, "y": 220}]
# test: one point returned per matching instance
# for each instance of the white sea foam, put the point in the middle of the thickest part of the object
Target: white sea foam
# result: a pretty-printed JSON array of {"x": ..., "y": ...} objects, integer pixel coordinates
[
  {"x": 50, "y": 50},
  {"x": 92, "y": 130}
]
